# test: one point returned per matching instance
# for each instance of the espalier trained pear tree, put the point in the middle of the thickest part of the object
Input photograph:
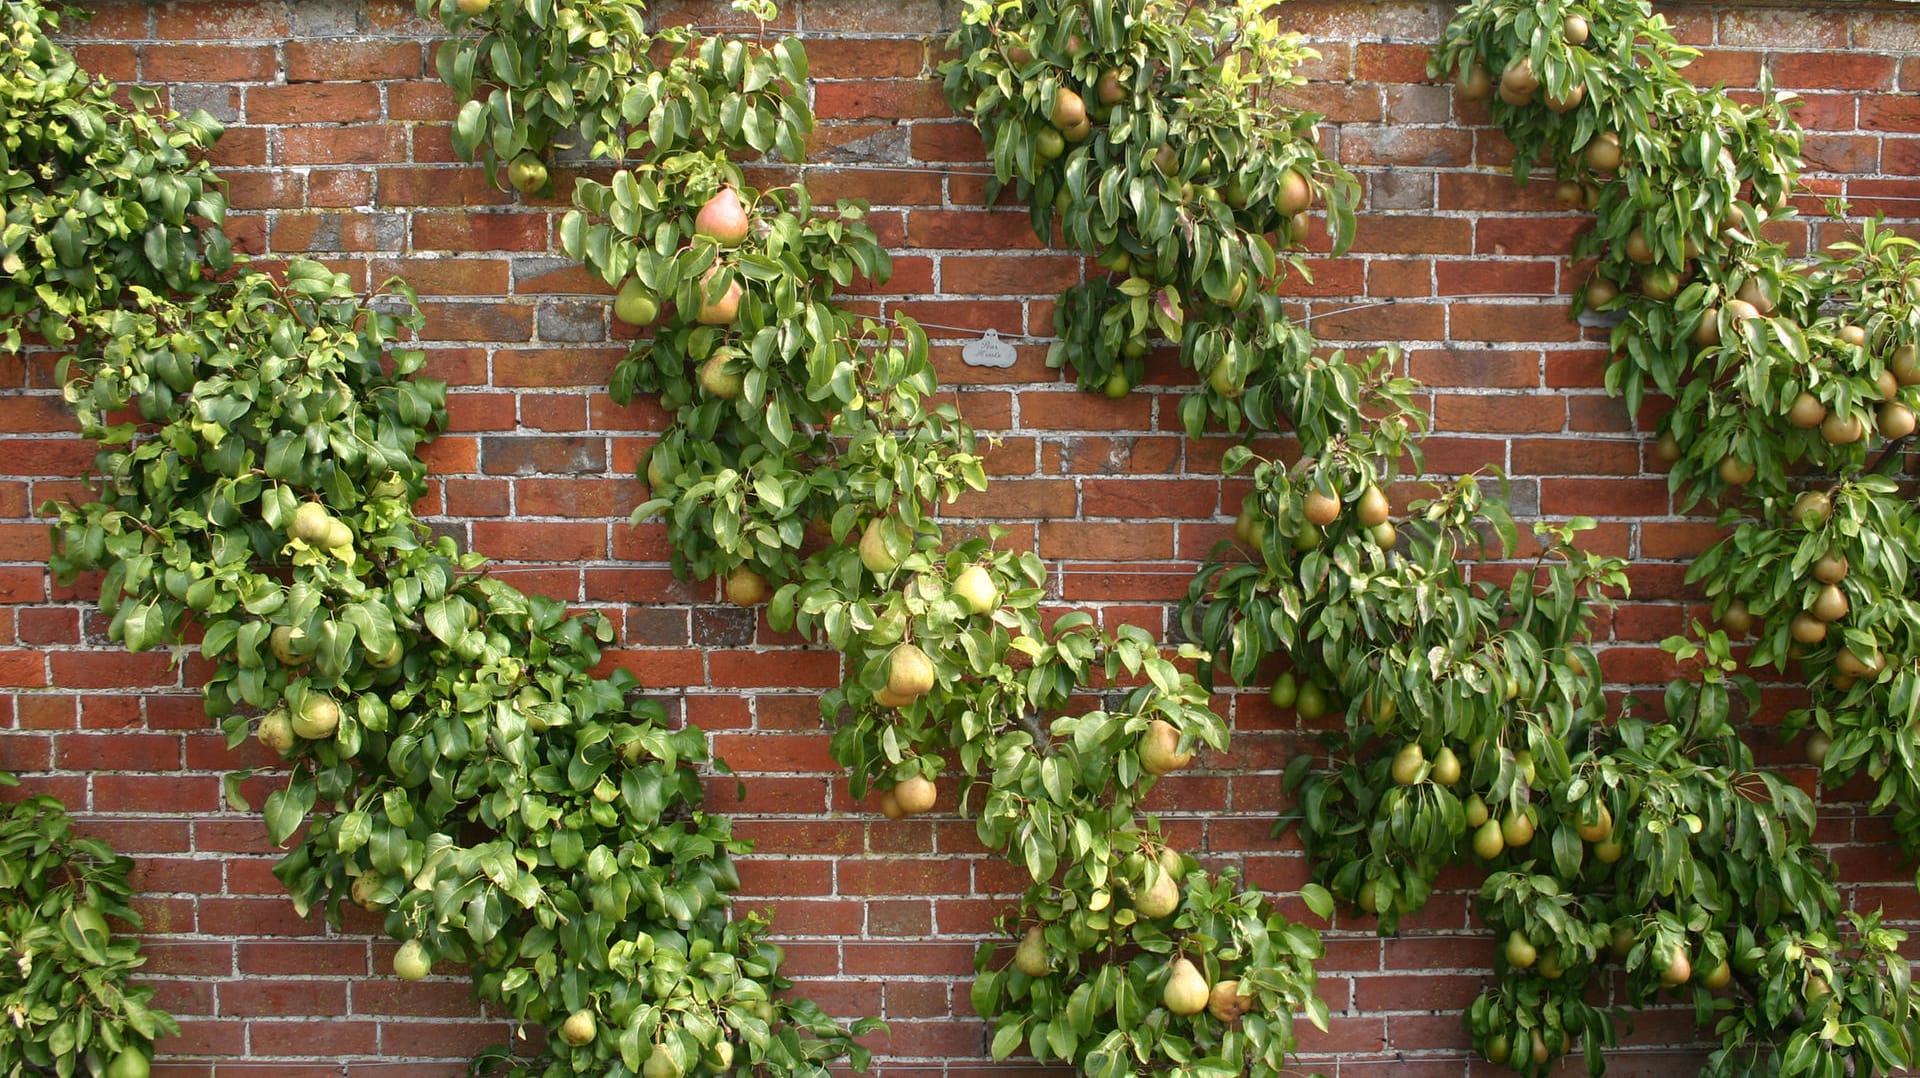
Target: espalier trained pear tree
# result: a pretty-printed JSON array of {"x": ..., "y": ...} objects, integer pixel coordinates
[
  {"x": 803, "y": 452},
  {"x": 453, "y": 764}
]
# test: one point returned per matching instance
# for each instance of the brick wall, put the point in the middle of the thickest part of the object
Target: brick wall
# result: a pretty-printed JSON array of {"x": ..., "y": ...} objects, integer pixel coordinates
[{"x": 337, "y": 146}]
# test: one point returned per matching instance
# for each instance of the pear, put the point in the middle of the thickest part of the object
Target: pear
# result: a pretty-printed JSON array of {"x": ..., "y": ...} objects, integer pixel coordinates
[
  {"x": 1521, "y": 953},
  {"x": 1477, "y": 812},
  {"x": 1068, "y": 109},
  {"x": 1322, "y": 508},
  {"x": 1226, "y": 1004},
  {"x": 890, "y": 806},
  {"x": 1806, "y": 412},
  {"x": 720, "y": 311},
  {"x": 579, "y": 1028},
  {"x": 1679, "y": 970},
  {"x": 1818, "y": 745},
  {"x": 311, "y": 523},
  {"x": 1599, "y": 828},
  {"x": 1446, "y": 767},
  {"x": 1812, "y": 508},
  {"x": 1488, "y": 841},
  {"x": 1473, "y": 83},
  {"x": 1408, "y": 764},
  {"x": 1030, "y": 957},
  {"x": 636, "y": 305},
  {"x": 390, "y": 658},
  {"x": 281, "y": 643},
  {"x": 1517, "y": 829},
  {"x": 909, "y": 671},
  {"x": 1186, "y": 991},
  {"x": 1373, "y": 508},
  {"x": 276, "y": 731},
  {"x": 411, "y": 962},
  {"x": 873, "y": 546},
  {"x": 317, "y": 717},
  {"x": 1905, "y": 365},
  {"x": 527, "y": 173},
  {"x": 1830, "y": 604},
  {"x": 1171, "y": 862},
  {"x": 1667, "y": 448},
  {"x": 1285, "y": 691},
  {"x": 1603, "y": 152},
  {"x": 723, "y": 219},
  {"x": 660, "y": 1064},
  {"x": 1294, "y": 194},
  {"x": 339, "y": 536},
  {"x": 1807, "y": 629},
  {"x": 132, "y": 1063},
  {"x": 472, "y": 7},
  {"x": 888, "y": 698},
  {"x": 1840, "y": 428},
  {"x": 745, "y": 587},
  {"x": 976, "y": 590},
  {"x": 1831, "y": 567},
  {"x": 1160, "y": 749},
  {"x": 719, "y": 1058},
  {"x": 1895, "y": 420},
  {"x": 364, "y": 887},
  {"x": 1738, "y": 619},
  {"x": 915, "y": 795},
  {"x": 1160, "y": 899}
]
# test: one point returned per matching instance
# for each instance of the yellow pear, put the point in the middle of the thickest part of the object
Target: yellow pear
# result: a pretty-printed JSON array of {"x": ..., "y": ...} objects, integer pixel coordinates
[
  {"x": 276, "y": 732},
  {"x": 1373, "y": 508},
  {"x": 1521, "y": 953},
  {"x": 317, "y": 717},
  {"x": 1678, "y": 970},
  {"x": 888, "y": 698},
  {"x": 1160, "y": 749},
  {"x": 281, "y": 642},
  {"x": 1488, "y": 843},
  {"x": 1186, "y": 992},
  {"x": 1598, "y": 828},
  {"x": 1517, "y": 828},
  {"x": 909, "y": 671},
  {"x": 1446, "y": 767},
  {"x": 1322, "y": 508},
  {"x": 1030, "y": 957},
  {"x": 745, "y": 587},
  {"x": 411, "y": 962},
  {"x": 915, "y": 795},
  {"x": 579, "y": 1028}
]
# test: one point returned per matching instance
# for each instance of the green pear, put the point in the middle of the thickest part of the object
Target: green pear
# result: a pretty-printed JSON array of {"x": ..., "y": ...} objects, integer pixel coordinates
[
  {"x": 311, "y": 523},
  {"x": 1030, "y": 957}
]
